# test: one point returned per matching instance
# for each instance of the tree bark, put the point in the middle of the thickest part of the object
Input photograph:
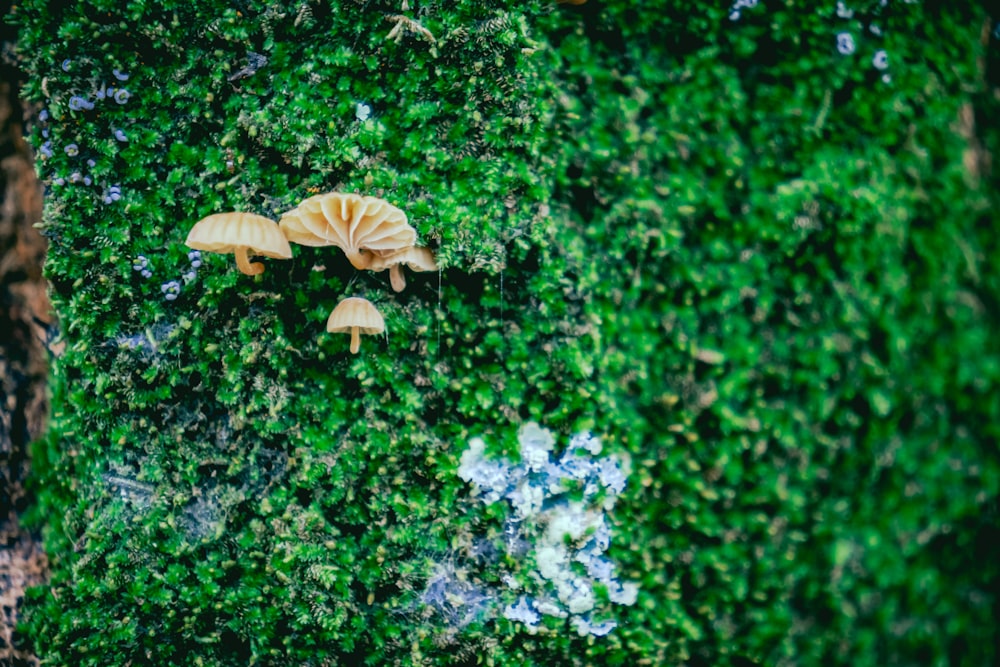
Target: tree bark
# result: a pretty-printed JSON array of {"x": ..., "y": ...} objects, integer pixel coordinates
[{"x": 24, "y": 317}]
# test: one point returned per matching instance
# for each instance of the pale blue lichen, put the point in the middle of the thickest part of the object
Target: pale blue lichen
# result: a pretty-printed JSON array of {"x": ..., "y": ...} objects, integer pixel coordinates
[
  {"x": 734, "y": 13},
  {"x": 492, "y": 478},
  {"x": 171, "y": 290},
  {"x": 78, "y": 103},
  {"x": 845, "y": 43},
  {"x": 585, "y": 626},
  {"x": 881, "y": 60},
  {"x": 522, "y": 612},
  {"x": 536, "y": 443},
  {"x": 113, "y": 194},
  {"x": 551, "y": 530}
]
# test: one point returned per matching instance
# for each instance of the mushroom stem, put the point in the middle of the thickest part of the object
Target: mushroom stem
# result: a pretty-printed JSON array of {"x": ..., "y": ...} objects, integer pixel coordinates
[
  {"x": 355, "y": 339},
  {"x": 244, "y": 263},
  {"x": 360, "y": 260},
  {"x": 396, "y": 278}
]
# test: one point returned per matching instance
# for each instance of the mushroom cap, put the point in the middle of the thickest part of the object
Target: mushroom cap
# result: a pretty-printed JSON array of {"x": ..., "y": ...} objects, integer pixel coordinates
[
  {"x": 416, "y": 259},
  {"x": 352, "y": 222},
  {"x": 224, "y": 232},
  {"x": 355, "y": 312}
]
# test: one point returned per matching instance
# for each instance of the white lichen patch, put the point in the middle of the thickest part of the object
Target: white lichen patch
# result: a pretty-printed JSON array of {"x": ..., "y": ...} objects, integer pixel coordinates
[{"x": 552, "y": 531}]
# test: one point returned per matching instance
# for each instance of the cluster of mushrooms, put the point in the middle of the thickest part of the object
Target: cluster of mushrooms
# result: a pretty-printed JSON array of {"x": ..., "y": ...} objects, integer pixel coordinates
[{"x": 373, "y": 234}]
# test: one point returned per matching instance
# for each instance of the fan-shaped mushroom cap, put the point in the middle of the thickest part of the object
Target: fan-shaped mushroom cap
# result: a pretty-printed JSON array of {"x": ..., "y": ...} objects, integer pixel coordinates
[
  {"x": 242, "y": 234},
  {"x": 352, "y": 222},
  {"x": 355, "y": 316},
  {"x": 417, "y": 259}
]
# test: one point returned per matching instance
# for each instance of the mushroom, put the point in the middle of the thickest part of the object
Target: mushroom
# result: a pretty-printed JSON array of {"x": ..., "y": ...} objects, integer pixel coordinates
[
  {"x": 242, "y": 234},
  {"x": 352, "y": 222},
  {"x": 355, "y": 316},
  {"x": 417, "y": 259}
]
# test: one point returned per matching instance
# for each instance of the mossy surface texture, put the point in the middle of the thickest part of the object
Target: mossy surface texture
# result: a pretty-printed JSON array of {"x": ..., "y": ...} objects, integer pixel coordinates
[{"x": 753, "y": 256}]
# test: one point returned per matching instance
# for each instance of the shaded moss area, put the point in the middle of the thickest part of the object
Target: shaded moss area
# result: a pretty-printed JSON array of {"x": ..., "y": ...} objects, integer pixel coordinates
[
  {"x": 795, "y": 291},
  {"x": 756, "y": 262}
]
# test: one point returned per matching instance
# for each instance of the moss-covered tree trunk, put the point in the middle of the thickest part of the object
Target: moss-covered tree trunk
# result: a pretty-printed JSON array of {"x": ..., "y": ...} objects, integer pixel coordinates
[{"x": 705, "y": 377}]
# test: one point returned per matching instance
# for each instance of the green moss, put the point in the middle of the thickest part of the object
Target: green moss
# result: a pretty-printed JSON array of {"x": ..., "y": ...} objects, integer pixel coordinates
[{"x": 745, "y": 259}]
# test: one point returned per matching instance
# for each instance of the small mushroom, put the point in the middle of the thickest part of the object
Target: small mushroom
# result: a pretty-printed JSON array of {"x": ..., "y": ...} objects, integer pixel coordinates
[
  {"x": 355, "y": 316},
  {"x": 417, "y": 259},
  {"x": 352, "y": 222},
  {"x": 242, "y": 234}
]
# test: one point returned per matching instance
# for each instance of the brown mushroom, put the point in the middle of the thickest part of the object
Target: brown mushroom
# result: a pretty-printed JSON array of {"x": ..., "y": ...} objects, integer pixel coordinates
[
  {"x": 355, "y": 316},
  {"x": 417, "y": 259},
  {"x": 352, "y": 222},
  {"x": 242, "y": 234}
]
